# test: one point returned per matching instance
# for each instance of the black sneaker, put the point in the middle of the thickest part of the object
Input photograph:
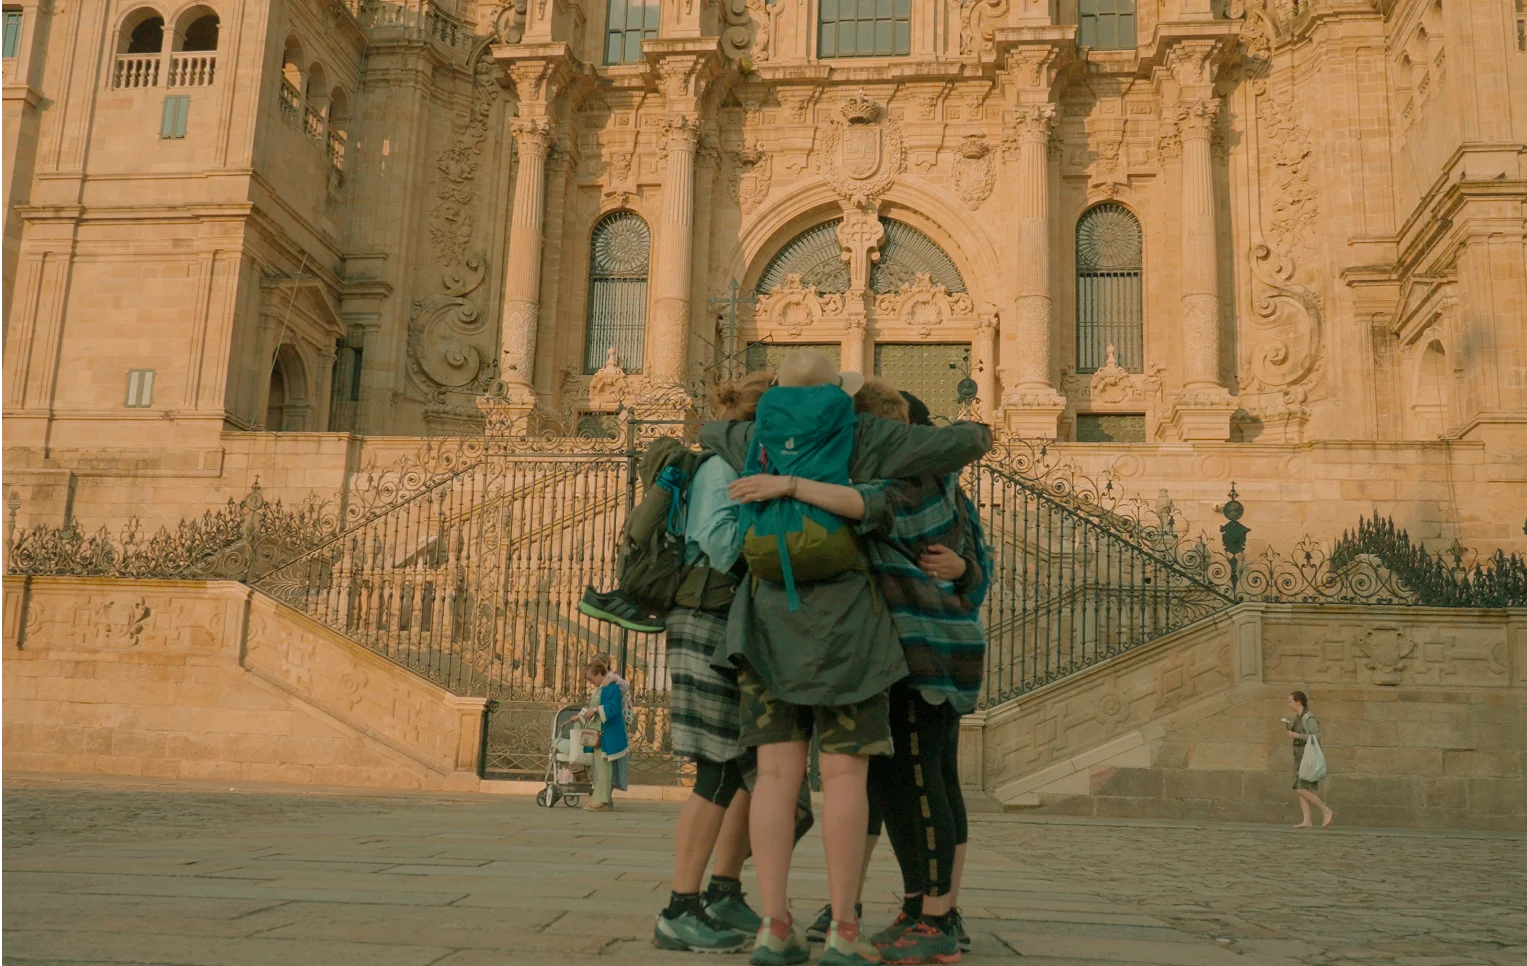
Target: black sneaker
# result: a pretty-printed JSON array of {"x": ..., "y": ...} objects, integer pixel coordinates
[
  {"x": 959, "y": 928},
  {"x": 615, "y": 609},
  {"x": 817, "y": 931}
]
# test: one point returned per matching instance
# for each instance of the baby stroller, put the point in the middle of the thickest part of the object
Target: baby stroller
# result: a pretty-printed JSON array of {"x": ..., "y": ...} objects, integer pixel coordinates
[{"x": 567, "y": 769}]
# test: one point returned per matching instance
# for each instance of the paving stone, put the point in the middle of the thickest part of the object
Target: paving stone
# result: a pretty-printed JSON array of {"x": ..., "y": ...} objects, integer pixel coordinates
[{"x": 190, "y": 878}]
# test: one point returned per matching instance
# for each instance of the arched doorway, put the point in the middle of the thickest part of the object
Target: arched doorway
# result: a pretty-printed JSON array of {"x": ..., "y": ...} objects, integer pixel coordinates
[
  {"x": 286, "y": 398},
  {"x": 915, "y": 324}
]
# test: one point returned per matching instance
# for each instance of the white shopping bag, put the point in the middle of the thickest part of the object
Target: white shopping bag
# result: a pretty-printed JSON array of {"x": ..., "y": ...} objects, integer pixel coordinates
[
  {"x": 576, "y": 753},
  {"x": 1312, "y": 765}
]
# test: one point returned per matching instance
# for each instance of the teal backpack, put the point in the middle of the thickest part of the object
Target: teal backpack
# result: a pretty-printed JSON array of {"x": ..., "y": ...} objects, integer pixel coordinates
[{"x": 806, "y": 432}]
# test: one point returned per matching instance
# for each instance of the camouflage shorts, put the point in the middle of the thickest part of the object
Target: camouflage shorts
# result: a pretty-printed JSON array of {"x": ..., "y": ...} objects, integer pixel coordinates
[{"x": 847, "y": 729}]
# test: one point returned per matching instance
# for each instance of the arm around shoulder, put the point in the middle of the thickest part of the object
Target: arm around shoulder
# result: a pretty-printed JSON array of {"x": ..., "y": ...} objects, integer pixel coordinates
[{"x": 885, "y": 448}]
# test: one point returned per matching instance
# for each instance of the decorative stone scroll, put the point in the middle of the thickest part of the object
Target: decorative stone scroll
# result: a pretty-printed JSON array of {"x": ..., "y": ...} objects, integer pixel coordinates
[{"x": 794, "y": 308}]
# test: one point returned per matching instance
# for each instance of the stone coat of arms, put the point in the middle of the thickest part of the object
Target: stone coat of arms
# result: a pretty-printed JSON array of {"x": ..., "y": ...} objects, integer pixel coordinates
[{"x": 863, "y": 154}]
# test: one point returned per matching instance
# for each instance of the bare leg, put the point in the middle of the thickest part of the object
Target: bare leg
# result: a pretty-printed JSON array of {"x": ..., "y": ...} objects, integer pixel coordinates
[
  {"x": 845, "y": 813},
  {"x": 693, "y": 839},
  {"x": 732, "y": 846},
  {"x": 1325, "y": 810},
  {"x": 781, "y": 767},
  {"x": 958, "y": 875},
  {"x": 1304, "y": 808},
  {"x": 864, "y": 872}
]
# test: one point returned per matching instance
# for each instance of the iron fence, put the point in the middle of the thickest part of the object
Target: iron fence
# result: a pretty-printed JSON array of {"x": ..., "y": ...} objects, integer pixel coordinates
[{"x": 464, "y": 562}]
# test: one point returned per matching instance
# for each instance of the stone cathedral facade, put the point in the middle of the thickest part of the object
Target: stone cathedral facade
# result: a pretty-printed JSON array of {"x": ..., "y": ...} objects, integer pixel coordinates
[{"x": 1275, "y": 242}]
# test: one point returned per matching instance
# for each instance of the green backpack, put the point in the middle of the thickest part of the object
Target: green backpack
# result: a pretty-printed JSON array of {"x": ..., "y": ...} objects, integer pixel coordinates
[{"x": 649, "y": 567}]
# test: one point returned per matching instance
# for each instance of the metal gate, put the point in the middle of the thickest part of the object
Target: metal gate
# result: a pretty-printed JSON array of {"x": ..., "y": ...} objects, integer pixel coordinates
[{"x": 471, "y": 574}]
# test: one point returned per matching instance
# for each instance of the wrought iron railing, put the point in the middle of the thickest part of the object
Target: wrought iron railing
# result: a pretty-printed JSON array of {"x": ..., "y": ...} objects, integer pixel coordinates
[
  {"x": 1069, "y": 591},
  {"x": 464, "y": 562}
]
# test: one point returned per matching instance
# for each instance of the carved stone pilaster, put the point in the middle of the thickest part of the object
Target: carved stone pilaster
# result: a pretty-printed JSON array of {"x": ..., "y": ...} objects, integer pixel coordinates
[{"x": 860, "y": 235}]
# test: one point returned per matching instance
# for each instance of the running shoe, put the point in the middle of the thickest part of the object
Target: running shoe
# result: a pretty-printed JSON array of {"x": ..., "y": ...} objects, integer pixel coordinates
[
  {"x": 891, "y": 933},
  {"x": 771, "y": 950},
  {"x": 616, "y": 609},
  {"x": 959, "y": 930},
  {"x": 841, "y": 951},
  {"x": 733, "y": 912},
  {"x": 691, "y": 933},
  {"x": 817, "y": 931},
  {"x": 922, "y": 942}
]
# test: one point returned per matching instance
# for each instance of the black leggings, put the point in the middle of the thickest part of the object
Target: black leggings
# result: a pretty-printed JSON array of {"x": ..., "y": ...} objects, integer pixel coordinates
[
  {"x": 718, "y": 781},
  {"x": 917, "y": 792}
]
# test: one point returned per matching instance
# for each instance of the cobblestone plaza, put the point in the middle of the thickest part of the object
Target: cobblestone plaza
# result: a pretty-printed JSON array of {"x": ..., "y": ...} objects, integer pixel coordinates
[{"x": 105, "y": 872}]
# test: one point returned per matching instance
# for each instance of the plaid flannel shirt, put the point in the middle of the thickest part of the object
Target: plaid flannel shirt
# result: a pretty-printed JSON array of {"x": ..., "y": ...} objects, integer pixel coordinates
[{"x": 939, "y": 621}]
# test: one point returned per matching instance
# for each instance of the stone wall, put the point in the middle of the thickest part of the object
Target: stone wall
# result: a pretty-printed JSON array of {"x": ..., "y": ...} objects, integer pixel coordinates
[
  {"x": 1424, "y": 712},
  {"x": 209, "y": 681}
]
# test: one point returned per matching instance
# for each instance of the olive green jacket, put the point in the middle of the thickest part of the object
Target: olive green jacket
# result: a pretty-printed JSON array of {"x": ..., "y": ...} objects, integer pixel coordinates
[{"x": 841, "y": 646}]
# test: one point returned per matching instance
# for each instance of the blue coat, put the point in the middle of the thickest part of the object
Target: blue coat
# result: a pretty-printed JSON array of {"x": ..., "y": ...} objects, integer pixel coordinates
[{"x": 612, "y": 722}]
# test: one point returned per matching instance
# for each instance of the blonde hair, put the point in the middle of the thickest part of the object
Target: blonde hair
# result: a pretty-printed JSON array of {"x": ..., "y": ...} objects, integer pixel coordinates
[
  {"x": 598, "y": 667},
  {"x": 880, "y": 398},
  {"x": 738, "y": 398}
]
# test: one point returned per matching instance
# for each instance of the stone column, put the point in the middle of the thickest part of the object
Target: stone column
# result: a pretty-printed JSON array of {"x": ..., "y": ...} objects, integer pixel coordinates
[
  {"x": 1031, "y": 406},
  {"x": 1200, "y": 279},
  {"x": 522, "y": 275},
  {"x": 855, "y": 329},
  {"x": 668, "y": 340},
  {"x": 1204, "y": 408},
  {"x": 984, "y": 367}
]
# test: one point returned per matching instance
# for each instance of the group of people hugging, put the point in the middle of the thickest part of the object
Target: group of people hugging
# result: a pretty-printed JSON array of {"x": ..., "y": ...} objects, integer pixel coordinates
[{"x": 874, "y": 660}]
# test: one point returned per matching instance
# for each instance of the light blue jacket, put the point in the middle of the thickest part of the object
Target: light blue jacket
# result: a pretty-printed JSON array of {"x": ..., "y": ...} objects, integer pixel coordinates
[{"x": 712, "y": 536}]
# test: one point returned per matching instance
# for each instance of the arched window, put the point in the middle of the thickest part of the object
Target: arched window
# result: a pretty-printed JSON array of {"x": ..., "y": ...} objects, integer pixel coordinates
[
  {"x": 1107, "y": 24},
  {"x": 816, "y": 256},
  {"x": 617, "y": 313},
  {"x": 1109, "y": 309},
  {"x": 292, "y": 80},
  {"x": 316, "y": 106},
  {"x": 200, "y": 34},
  {"x": 143, "y": 33}
]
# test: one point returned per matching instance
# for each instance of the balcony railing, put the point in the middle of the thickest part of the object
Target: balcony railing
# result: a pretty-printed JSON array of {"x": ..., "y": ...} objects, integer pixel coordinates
[
  {"x": 337, "y": 149},
  {"x": 291, "y": 101},
  {"x": 136, "y": 71},
  {"x": 313, "y": 124},
  {"x": 192, "y": 70}
]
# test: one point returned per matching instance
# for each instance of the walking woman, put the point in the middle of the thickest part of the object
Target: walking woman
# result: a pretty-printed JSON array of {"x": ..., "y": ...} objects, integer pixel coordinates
[
  {"x": 611, "y": 761},
  {"x": 1302, "y": 729}
]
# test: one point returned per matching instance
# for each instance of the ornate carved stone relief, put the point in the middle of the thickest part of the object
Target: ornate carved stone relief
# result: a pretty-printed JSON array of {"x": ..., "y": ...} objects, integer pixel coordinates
[
  {"x": 752, "y": 171},
  {"x": 509, "y": 22},
  {"x": 975, "y": 171},
  {"x": 1388, "y": 654},
  {"x": 793, "y": 307},
  {"x": 1281, "y": 348},
  {"x": 1113, "y": 385},
  {"x": 451, "y": 346},
  {"x": 862, "y": 155},
  {"x": 745, "y": 34},
  {"x": 978, "y": 23},
  {"x": 922, "y": 306}
]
